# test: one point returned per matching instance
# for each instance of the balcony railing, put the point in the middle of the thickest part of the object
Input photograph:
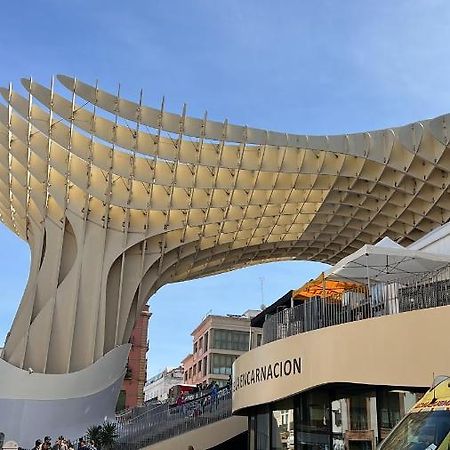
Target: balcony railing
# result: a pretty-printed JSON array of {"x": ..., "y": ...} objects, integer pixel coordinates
[
  {"x": 156, "y": 423},
  {"x": 417, "y": 292}
]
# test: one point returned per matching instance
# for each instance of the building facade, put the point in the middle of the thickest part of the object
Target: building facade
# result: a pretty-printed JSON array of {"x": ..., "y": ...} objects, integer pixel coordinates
[
  {"x": 117, "y": 199},
  {"x": 341, "y": 359},
  {"x": 132, "y": 391},
  {"x": 340, "y": 387},
  {"x": 217, "y": 342},
  {"x": 157, "y": 387},
  {"x": 341, "y": 374}
]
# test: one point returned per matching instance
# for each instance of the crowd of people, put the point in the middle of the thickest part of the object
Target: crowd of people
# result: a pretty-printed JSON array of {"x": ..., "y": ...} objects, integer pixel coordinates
[
  {"x": 62, "y": 443},
  {"x": 201, "y": 399},
  {"x": 201, "y": 390}
]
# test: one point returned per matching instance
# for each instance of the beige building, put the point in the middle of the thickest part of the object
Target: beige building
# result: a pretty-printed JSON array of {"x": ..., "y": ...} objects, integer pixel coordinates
[
  {"x": 348, "y": 354},
  {"x": 217, "y": 342},
  {"x": 117, "y": 199}
]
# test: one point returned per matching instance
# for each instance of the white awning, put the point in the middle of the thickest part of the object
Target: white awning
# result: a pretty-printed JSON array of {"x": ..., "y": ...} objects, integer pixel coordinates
[{"x": 386, "y": 261}]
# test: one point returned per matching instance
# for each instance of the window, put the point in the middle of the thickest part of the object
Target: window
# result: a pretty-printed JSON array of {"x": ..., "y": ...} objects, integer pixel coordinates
[
  {"x": 205, "y": 365},
  {"x": 313, "y": 422},
  {"x": 121, "y": 401},
  {"x": 258, "y": 339},
  {"x": 262, "y": 431},
  {"x": 273, "y": 429},
  {"x": 195, "y": 347},
  {"x": 200, "y": 344},
  {"x": 230, "y": 340},
  {"x": 200, "y": 366},
  {"x": 390, "y": 409},
  {"x": 205, "y": 342},
  {"x": 252, "y": 432},
  {"x": 282, "y": 429},
  {"x": 221, "y": 364},
  {"x": 359, "y": 414}
]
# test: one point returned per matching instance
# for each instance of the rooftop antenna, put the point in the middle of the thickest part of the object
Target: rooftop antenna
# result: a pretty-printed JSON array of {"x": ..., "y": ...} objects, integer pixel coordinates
[
  {"x": 261, "y": 280},
  {"x": 207, "y": 314},
  {"x": 434, "y": 389}
]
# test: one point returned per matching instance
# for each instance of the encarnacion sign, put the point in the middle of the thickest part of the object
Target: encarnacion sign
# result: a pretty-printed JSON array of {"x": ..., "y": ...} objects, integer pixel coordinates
[{"x": 268, "y": 372}]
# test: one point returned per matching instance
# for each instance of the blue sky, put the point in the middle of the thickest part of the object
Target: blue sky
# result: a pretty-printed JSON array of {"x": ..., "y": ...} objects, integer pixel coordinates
[{"x": 311, "y": 67}]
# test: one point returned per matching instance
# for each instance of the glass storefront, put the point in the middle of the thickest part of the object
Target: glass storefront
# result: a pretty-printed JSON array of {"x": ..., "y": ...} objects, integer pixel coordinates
[
  {"x": 389, "y": 409},
  {"x": 262, "y": 431},
  {"x": 272, "y": 429},
  {"x": 283, "y": 426},
  {"x": 329, "y": 419},
  {"x": 313, "y": 424}
]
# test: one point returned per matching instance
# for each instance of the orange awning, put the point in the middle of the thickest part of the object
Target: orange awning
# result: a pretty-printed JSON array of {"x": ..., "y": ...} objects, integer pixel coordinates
[{"x": 321, "y": 287}]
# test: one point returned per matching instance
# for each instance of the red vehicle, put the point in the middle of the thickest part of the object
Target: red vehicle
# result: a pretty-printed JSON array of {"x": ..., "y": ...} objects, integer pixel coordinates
[{"x": 175, "y": 392}]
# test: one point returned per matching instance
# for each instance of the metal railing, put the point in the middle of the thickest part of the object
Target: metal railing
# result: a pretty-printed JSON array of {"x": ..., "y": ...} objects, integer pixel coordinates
[
  {"x": 164, "y": 421},
  {"x": 380, "y": 299}
]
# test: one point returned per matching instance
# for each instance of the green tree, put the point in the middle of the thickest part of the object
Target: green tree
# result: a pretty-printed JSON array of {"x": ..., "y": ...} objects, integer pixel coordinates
[
  {"x": 94, "y": 433},
  {"x": 108, "y": 434}
]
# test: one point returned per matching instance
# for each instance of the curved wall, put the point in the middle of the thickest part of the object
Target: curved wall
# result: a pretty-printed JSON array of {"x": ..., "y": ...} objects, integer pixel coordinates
[
  {"x": 34, "y": 405},
  {"x": 206, "y": 437},
  {"x": 403, "y": 350}
]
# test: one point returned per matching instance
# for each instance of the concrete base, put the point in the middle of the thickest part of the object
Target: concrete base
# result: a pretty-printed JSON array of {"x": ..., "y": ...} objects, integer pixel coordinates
[
  {"x": 207, "y": 437},
  {"x": 35, "y": 405}
]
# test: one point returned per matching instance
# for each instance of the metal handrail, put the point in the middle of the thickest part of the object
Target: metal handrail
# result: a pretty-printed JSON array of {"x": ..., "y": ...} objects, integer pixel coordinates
[
  {"x": 381, "y": 299},
  {"x": 166, "y": 421}
]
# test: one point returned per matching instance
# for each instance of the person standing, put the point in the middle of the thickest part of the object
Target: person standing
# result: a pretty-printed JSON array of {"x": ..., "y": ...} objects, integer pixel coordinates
[
  {"x": 214, "y": 395},
  {"x": 37, "y": 445},
  {"x": 56, "y": 445}
]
